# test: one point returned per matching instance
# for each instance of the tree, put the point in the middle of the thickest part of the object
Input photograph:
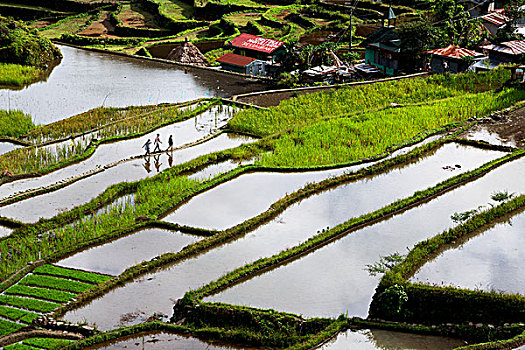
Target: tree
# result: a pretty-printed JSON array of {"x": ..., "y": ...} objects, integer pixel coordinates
[{"x": 514, "y": 11}]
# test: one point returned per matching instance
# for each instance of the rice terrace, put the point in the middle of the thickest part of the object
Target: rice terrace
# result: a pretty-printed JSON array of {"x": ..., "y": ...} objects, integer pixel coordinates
[{"x": 262, "y": 174}]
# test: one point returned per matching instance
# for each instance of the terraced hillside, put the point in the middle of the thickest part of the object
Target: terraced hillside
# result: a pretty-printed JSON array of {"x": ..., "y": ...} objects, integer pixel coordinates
[{"x": 280, "y": 227}]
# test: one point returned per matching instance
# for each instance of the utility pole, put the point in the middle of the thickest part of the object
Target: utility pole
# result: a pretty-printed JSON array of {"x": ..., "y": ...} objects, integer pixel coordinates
[{"x": 351, "y": 12}]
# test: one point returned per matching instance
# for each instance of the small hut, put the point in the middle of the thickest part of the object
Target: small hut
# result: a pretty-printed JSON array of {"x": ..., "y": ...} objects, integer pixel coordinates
[{"x": 189, "y": 54}]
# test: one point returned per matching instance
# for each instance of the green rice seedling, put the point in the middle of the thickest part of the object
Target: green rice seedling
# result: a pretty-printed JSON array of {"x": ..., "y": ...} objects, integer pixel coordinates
[
  {"x": 17, "y": 314},
  {"x": 26, "y": 303},
  {"x": 41, "y": 293},
  {"x": 14, "y": 123},
  {"x": 307, "y": 109},
  {"x": 7, "y": 327},
  {"x": 18, "y": 75},
  {"x": 89, "y": 277},
  {"x": 47, "y": 343},
  {"x": 19, "y": 346},
  {"x": 55, "y": 283},
  {"x": 340, "y": 140}
]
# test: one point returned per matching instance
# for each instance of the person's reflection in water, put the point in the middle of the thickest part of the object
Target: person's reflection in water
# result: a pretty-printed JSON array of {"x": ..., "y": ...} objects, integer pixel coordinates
[
  {"x": 170, "y": 158},
  {"x": 147, "y": 165},
  {"x": 157, "y": 162}
]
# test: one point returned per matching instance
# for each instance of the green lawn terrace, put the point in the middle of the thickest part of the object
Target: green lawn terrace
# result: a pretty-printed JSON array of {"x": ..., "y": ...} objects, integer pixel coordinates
[{"x": 40, "y": 292}]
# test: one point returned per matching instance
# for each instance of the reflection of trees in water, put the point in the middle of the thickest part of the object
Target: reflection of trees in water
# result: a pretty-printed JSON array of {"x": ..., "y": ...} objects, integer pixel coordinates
[{"x": 389, "y": 340}]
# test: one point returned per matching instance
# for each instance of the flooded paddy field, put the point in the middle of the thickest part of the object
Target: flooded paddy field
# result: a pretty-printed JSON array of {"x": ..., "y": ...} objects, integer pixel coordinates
[
  {"x": 7, "y": 147},
  {"x": 184, "y": 133},
  {"x": 378, "y": 339},
  {"x": 334, "y": 279},
  {"x": 226, "y": 205},
  {"x": 490, "y": 260},
  {"x": 166, "y": 341},
  {"x": 5, "y": 231},
  {"x": 156, "y": 292},
  {"x": 85, "y": 80},
  {"x": 82, "y": 191},
  {"x": 114, "y": 257}
]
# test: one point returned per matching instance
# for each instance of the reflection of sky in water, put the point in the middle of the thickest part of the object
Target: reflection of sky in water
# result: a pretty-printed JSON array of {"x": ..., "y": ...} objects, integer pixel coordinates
[
  {"x": 333, "y": 280},
  {"x": 85, "y": 80},
  {"x": 165, "y": 341},
  {"x": 375, "y": 339},
  {"x": 483, "y": 134},
  {"x": 114, "y": 257},
  {"x": 492, "y": 260},
  {"x": 5, "y": 231},
  {"x": 154, "y": 292},
  {"x": 82, "y": 191},
  {"x": 7, "y": 147}
]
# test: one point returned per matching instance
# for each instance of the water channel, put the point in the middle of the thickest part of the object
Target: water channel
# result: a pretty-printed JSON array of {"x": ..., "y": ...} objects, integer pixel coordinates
[
  {"x": 491, "y": 260},
  {"x": 85, "y": 80},
  {"x": 156, "y": 292},
  {"x": 82, "y": 191},
  {"x": 334, "y": 280}
]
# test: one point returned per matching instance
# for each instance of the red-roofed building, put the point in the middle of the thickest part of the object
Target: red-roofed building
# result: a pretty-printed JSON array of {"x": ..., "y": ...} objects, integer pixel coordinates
[
  {"x": 507, "y": 52},
  {"x": 257, "y": 47},
  {"x": 493, "y": 21},
  {"x": 452, "y": 59},
  {"x": 242, "y": 64}
]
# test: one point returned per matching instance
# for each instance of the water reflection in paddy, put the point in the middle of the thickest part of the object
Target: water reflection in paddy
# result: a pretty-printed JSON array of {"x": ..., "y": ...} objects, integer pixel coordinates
[
  {"x": 156, "y": 292},
  {"x": 377, "y": 339},
  {"x": 116, "y": 256},
  {"x": 85, "y": 80},
  {"x": 334, "y": 279},
  {"x": 80, "y": 192},
  {"x": 491, "y": 261},
  {"x": 226, "y": 205},
  {"x": 183, "y": 133},
  {"x": 5, "y": 231},
  {"x": 166, "y": 341},
  {"x": 7, "y": 147}
]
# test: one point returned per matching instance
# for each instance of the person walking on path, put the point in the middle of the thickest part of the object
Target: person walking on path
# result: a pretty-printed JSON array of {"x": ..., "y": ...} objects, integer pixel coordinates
[
  {"x": 146, "y": 146},
  {"x": 170, "y": 143},
  {"x": 157, "y": 143}
]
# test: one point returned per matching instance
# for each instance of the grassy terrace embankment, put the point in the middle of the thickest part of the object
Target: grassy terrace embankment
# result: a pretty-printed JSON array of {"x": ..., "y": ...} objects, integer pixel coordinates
[{"x": 109, "y": 125}]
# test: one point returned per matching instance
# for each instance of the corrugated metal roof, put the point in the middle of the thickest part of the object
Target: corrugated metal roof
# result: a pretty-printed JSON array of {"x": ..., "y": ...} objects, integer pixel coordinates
[
  {"x": 236, "y": 60},
  {"x": 516, "y": 47},
  {"x": 454, "y": 52},
  {"x": 257, "y": 43},
  {"x": 497, "y": 17}
]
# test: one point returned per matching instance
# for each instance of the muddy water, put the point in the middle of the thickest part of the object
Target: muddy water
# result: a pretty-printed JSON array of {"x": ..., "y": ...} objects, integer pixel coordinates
[
  {"x": 80, "y": 192},
  {"x": 7, "y": 147},
  {"x": 491, "y": 261},
  {"x": 377, "y": 339},
  {"x": 166, "y": 341},
  {"x": 334, "y": 280},
  {"x": 114, "y": 257},
  {"x": 85, "y": 80},
  {"x": 482, "y": 133},
  {"x": 156, "y": 292},
  {"x": 183, "y": 133},
  {"x": 226, "y": 205}
]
